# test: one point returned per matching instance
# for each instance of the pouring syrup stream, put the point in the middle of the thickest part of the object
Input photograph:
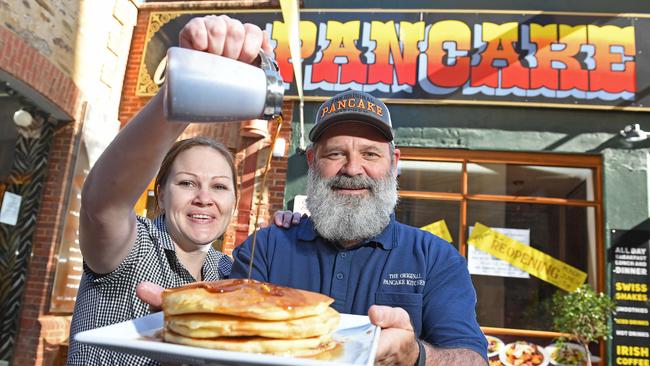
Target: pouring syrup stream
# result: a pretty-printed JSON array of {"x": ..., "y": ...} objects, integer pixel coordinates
[{"x": 279, "y": 120}]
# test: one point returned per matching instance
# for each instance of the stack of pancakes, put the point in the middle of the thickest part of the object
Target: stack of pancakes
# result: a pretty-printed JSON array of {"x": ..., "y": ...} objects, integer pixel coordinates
[{"x": 250, "y": 316}]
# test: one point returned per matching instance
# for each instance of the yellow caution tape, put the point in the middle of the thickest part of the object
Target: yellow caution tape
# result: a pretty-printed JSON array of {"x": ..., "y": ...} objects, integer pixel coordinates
[{"x": 531, "y": 260}]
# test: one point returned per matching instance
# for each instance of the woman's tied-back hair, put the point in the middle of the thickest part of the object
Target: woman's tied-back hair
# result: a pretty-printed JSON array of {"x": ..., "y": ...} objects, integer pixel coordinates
[{"x": 182, "y": 145}]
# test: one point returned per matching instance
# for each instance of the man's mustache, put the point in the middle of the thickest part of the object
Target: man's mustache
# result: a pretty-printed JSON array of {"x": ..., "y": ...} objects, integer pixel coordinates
[{"x": 352, "y": 182}]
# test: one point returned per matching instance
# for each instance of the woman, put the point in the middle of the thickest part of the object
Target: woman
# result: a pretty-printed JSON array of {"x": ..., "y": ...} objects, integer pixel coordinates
[{"x": 195, "y": 190}]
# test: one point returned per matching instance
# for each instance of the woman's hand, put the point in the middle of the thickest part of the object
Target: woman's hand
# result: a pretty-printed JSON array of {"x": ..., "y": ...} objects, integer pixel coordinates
[
  {"x": 150, "y": 293},
  {"x": 226, "y": 37},
  {"x": 286, "y": 218}
]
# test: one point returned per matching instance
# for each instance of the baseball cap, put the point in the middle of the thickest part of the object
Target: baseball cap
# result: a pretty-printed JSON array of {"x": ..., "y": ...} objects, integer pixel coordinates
[{"x": 352, "y": 106}]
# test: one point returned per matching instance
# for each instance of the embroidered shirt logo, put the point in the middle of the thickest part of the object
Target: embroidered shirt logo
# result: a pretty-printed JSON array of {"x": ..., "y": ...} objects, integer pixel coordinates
[{"x": 404, "y": 279}]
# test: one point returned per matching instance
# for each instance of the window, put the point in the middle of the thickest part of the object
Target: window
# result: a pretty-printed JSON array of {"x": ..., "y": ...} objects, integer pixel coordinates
[
  {"x": 553, "y": 200},
  {"x": 69, "y": 265}
]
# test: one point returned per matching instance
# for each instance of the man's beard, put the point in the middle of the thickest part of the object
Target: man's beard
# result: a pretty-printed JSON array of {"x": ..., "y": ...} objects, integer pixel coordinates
[{"x": 350, "y": 217}]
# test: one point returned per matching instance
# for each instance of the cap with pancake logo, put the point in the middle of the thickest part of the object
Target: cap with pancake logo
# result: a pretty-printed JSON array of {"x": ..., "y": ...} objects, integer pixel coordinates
[{"x": 352, "y": 106}]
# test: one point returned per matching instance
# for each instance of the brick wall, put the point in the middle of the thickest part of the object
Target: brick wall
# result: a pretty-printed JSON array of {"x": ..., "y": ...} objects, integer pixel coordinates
[
  {"x": 47, "y": 26},
  {"x": 278, "y": 173},
  {"x": 130, "y": 104},
  {"x": 25, "y": 63}
]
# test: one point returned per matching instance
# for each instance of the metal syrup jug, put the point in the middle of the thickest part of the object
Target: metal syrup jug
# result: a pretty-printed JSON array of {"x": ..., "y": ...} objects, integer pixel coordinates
[{"x": 204, "y": 87}]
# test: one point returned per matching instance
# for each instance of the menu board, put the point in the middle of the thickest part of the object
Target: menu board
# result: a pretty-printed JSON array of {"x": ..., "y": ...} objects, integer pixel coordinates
[{"x": 629, "y": 260}]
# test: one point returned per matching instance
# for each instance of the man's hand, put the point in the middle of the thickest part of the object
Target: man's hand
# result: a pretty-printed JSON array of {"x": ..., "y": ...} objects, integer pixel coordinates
[
  {"x": 397, "y": 344},
  {"x": 151, "y": 294},
  {"x": 286, "y": 218},
  {"x": 226, "y": 37}
]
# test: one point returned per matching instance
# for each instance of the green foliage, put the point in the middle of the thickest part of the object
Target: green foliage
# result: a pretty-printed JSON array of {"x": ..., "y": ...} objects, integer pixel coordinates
[{"x": 583, "y": 313}]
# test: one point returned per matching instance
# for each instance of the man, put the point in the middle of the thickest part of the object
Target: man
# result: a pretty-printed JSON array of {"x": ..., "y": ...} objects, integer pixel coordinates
[{"x": 353, "y": 249}]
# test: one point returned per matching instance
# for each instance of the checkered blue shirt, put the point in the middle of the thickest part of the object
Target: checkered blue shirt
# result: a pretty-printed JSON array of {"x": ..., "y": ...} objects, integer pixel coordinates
[{"x": 110, "y": 298}]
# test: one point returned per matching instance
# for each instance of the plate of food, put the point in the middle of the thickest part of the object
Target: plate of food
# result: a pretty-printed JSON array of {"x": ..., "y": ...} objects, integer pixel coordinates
[
  {"x": 494, "y": 361},
  {"x": 522, "y": 353},
  {"x": 494, "y": 345},
  {"x": 242, "y": 322},
  {"x": 566, "y": 354}
]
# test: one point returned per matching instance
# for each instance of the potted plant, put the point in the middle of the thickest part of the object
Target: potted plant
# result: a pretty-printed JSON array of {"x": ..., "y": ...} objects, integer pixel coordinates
[{"x": 584, "y": 315}]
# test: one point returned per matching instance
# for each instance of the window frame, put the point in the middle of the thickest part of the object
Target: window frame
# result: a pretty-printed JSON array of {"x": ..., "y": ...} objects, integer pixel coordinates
[{"x": 593, "y": 162}]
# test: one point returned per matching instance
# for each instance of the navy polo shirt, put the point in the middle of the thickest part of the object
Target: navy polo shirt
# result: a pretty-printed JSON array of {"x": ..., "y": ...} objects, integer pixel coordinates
[{"x": 402, "y": 267}]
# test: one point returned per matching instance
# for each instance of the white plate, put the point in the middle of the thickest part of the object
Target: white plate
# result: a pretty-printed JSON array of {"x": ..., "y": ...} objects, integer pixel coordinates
[
  {"x": 550, "y": 349},
  {"x": 139, "y": 337},
  {"x": 500, "y": 345}
]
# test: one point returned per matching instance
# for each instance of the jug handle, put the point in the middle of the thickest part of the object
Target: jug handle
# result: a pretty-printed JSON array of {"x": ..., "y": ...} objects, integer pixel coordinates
[
  {"x": 274, "y": 86},
  {"x": 267, "y": 62}
]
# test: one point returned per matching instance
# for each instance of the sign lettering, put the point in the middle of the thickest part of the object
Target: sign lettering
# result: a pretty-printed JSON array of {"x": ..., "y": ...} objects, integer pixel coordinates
[
  {"x": 531, "y": 260},
  {"x": 629, "y": 261},
  {"x": 575, "y": 60}
]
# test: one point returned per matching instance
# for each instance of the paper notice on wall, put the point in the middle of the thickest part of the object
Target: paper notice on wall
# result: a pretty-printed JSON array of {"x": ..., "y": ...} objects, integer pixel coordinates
[
  {"x": 10, "y": 208},
  {"x": 440, "y": 229},
  {"x": 482, "y": 263}
]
